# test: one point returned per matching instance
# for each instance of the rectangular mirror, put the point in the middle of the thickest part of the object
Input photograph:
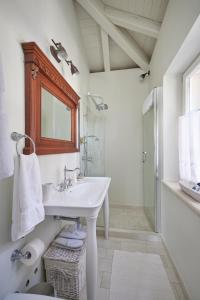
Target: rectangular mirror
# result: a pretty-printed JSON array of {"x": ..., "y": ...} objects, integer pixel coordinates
[
  {"x": 55, "y": 118},
  {"x": 51, "y": 106}
]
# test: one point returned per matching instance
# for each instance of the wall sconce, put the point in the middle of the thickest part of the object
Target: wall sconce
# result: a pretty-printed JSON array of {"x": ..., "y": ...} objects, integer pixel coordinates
[
  {"x": 59, "y": 53},
  {"x": 144, "y": 75}
]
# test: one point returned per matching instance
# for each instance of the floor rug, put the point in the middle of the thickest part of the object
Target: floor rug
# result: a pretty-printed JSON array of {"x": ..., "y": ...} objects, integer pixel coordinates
[{"x": 139, "y": 276}]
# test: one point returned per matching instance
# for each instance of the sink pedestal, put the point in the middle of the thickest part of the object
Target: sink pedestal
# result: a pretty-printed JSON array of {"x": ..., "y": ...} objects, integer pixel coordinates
[
  {"x": 91, "y": 255},
  {"x": 84, "y": 200},
  {"x": 106, "y": 216},
  {"x": 91, "y": 259}
]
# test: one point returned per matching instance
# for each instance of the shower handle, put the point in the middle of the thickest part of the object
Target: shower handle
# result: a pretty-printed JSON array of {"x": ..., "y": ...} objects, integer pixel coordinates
[{"x": 144, "y": 156}]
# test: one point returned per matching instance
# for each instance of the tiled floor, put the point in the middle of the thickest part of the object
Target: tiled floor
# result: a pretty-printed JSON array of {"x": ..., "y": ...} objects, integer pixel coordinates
[
  {"x": 131, "y": 231},
  {"x": 130, "y": 218},
  {"x": 149, "y": 243},
  {"x": 105, "y": 253}
]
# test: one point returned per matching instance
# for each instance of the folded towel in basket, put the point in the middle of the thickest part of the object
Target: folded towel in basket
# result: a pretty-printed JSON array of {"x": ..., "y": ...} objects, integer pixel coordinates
[
  {"x": 73, "y": 232},
  {"x": 70, "y": 244}
]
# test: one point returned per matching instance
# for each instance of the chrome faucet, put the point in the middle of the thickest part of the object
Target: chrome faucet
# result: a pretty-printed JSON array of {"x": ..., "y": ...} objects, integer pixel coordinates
[
  {"x": 70, "y": 180},
  {"x": 65, "y": 177},
  {"x": 63, "y": 186}
]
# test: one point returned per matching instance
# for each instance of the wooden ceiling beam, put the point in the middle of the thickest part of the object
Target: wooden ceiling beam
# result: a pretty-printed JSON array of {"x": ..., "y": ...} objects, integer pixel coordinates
[
  {"x": 133, "y": 22},
  {"x": 131, "y": 48},
  {"x": 106, "y": 53}
]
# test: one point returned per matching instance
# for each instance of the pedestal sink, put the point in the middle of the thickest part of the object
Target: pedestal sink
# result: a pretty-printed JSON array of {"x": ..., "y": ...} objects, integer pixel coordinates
[{"x": 85, "y": 199}]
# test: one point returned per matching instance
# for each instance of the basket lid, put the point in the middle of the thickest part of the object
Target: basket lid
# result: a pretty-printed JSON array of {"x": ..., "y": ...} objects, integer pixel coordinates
[{"x": 63, "y": 254}]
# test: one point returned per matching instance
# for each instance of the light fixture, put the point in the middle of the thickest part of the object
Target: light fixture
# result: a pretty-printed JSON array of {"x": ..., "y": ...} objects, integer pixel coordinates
[
  {"x": 74, "y": 69},
  {"x": 59, "y": 53},
  {"x": 144, "y": 75}
]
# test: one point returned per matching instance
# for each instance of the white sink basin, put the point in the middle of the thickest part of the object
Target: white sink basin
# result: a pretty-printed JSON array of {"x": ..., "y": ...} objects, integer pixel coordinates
[{"x": 82, "y": 200}]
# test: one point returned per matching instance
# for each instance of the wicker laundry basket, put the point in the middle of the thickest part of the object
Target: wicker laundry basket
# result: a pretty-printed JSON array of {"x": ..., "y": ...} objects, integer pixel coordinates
[{"x": 66, "y": 271}]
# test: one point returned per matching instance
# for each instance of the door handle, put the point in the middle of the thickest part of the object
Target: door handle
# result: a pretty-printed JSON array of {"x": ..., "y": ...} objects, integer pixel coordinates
[{"x": 144, "y": 156}]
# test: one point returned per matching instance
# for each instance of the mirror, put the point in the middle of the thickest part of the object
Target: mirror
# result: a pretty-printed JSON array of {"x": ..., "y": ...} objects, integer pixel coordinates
[
  {"x": 51, "y": 106},
  {"x": 55, "y": 118}
]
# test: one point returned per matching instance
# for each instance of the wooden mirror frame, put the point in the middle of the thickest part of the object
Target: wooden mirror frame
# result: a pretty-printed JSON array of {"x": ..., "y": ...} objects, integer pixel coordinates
[{"x": 40, "y": 72}]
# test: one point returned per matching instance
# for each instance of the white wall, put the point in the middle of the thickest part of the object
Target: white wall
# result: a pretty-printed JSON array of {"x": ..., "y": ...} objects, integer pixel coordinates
[
  {"x": 179, "y": 19},
  {"x": 172, "y": 88},
  {"x": 181, "y": 226},
  {"x": 124, "y": 93},
  {"x": 38, "y": 21},
  {"x": 177, "y": 47}
]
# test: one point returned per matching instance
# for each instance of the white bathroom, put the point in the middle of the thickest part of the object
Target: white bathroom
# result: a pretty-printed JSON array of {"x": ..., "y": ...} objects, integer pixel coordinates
[{"x": 99, "y": 149}]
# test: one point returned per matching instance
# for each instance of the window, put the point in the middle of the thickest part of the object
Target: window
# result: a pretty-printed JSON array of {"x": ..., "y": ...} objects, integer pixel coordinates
[
  {"x": 189, "y": 126},
  {"x": 191, "y": 87}
]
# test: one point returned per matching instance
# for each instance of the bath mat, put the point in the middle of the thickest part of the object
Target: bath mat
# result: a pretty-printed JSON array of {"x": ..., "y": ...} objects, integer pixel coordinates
[{"x": 139, "y": 276}]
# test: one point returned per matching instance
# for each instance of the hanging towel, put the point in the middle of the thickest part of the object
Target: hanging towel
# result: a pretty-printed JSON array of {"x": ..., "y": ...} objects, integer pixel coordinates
[
  {"x": 28, "y": 209},
  {"x": 189, "y": 147},
  {"x": 148, "y": 102},
  {"x": 6, "y": 157}
]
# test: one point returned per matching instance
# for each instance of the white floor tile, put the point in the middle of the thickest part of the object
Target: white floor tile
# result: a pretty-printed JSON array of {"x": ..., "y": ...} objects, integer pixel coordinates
[
  {"x": 144, "y": 245},
  {"x": 105, "y": 265},
  {"x": 106, "y": 280},
  {"x": 103, "y": 294},
  {"x": 130, "y": 218}
]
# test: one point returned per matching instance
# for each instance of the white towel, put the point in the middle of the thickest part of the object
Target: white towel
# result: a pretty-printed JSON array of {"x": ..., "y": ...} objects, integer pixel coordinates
[
  {"x": 72, "y": 244},
  {"x": 148, "y": 102},
  {"x": 189, "y": 147},
  {"x": 6, "y": 157},
  {"x": 28, "y": 209}
]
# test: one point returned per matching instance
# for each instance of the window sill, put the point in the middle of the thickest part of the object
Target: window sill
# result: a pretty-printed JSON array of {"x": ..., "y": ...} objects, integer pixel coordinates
[{"x": 189, "y": 201}]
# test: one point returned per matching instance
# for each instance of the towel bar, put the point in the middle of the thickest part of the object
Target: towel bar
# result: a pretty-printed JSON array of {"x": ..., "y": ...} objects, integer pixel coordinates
[{"x": 15, "y": 136}]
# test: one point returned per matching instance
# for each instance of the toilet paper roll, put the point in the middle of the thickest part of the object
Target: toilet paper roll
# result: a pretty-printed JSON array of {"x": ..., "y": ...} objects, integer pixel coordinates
[{"x": 34, "y": 250}]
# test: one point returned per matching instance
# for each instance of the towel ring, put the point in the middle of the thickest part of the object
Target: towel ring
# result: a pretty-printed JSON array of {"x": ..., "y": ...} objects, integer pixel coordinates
[{"x": 15, "y": 136}]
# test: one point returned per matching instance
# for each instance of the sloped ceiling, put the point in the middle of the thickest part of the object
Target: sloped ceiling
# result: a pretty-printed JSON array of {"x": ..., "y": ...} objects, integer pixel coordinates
[{"x": 152, "y": 10}]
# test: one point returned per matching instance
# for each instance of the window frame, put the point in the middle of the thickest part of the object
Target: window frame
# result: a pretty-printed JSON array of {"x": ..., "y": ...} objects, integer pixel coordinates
[{"x": 186, "y": 83}]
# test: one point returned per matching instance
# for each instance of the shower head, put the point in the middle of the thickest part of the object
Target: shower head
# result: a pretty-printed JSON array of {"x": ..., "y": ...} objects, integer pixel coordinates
[
  {"x": 84, "y": 139},
  {"x": 100, "y": 106}
]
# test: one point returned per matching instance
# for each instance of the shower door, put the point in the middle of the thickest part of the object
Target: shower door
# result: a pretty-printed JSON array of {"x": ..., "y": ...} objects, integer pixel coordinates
[
  {"x": 150, "y": 165},
  {"x": 95, "y": 145},
  {"x": 93, "y": 141}
]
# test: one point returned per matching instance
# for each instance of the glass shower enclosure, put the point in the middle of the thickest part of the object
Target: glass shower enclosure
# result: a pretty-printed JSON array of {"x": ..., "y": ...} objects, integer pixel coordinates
[
  {"x": 152, "y": 160},
  {"x": 93, "y": 136}
]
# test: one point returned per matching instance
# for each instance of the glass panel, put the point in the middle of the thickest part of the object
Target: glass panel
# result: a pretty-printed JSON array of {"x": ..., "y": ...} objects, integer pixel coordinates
[
  {"x": 148, "y": 166},
  {"x": 93, "y": 139},
  {"x": 55, "y": 118}
]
